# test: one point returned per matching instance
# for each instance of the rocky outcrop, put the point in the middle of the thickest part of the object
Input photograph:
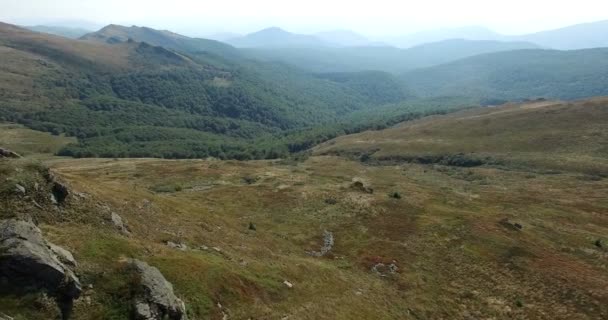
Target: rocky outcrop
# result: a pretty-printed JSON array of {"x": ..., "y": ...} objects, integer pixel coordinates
[
  {"x": 28, "y": 263},
  {"x": 6, "y": 153},
  {"x": 156, "y": 299},
  {"x": 328, "y": 244}
]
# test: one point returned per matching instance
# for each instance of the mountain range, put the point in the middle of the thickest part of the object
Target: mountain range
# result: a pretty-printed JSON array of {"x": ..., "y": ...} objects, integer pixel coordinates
[{"x": 137, "y": 91}]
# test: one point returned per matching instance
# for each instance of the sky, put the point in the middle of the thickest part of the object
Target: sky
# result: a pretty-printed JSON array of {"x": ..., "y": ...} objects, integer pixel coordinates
[{"x": 371, "y": 18}]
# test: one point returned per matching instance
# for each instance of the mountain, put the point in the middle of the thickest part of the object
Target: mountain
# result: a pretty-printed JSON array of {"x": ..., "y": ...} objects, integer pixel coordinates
[
  {"x": 580, "y": 36},
  {"x": 343, "y": 38},
  {"x": 117, "y": 34},
  {"x": 276, "y": 38},
  {"x": 516, "y": 75},
  {"x": 121, "y": 95},
  {"x": 72, "y": 33},
  {"x": 388, "y": 59},
  {"x": 423, "y": 37}
]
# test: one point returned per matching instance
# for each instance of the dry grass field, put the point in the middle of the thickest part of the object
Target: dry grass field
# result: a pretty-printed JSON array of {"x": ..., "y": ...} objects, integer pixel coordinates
[{"x": 522, "y": 237}]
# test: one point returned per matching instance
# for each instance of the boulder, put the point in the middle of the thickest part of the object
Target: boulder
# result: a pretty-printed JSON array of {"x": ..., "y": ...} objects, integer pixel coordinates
[
  {"x": 6, "y": 153},
  {"x": 27, "y": 263},
  {"x": 118, "y": 223},
  {"x": 156, "y": 299}
]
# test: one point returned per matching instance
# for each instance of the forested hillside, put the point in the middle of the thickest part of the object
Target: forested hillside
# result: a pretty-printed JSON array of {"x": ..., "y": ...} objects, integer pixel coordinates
[
  {"x": 382, "y": 58},
  {"x": 131, "y": 98},
  {"x": 515, "y": 75}
]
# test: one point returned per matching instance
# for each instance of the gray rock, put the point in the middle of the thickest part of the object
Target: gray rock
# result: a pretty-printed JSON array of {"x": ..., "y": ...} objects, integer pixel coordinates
[
  {"x": 328, "y": 244},
  {"x": 6, "y": 153},
  {"x": 178, "y": 246},
  {"x": 156, "y": 300},
  {"x": 63, "y": 255},
  {"x": 28, "y": 263},
  {"x": 19, "y": 189},
  {"x": 119, "y": 224}
]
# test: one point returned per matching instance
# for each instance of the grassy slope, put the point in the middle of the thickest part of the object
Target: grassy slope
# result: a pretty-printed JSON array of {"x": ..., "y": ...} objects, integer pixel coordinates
[
  {"x": 29, "y": 142},
  {"x": 455, "y": 259},
  {"x": 556, "y": 135}
]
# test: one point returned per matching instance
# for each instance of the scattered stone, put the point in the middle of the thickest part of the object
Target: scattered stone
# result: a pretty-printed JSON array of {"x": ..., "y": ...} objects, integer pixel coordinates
[
  {"x": 156, "y": 300},
  {"x": 288, "y": 284},
  {"x": 331, "y": 201},
  {"x": 384, "y": 270},
  {"x": 328, "y": 244},
  {"x": 6, "y": 153},
  {"x": 510, "y": 225},
  {"x": 358, "y": 185},
  {"x": 178, "y": 246},
  {"x": 53, "y": 199},
  {"x": 19, "y": 189},
  {"x": 217, "y": 249},
  {"x": 118, "y": 223},
  {"x": 204, "y": 248},
  {"x": 27, "y": 264}
]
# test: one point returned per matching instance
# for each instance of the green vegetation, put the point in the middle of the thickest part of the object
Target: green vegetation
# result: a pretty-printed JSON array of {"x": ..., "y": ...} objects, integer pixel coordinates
[{"x": 516, "y": 75}]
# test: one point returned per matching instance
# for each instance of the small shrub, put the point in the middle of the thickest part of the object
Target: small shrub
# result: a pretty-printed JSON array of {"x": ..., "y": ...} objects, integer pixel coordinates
[
  {"x": 250, "y": 179},
  {"x": 395, "y": 195},
  {"x": 252, "y": 226},
  {"x": 598, "y": 243}
]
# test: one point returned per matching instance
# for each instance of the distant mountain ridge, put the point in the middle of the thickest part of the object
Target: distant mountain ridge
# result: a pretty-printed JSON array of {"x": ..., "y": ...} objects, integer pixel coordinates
[
  {"x": 276, "y": 37},
  {"x": 579, "y": 36},
  {"x": 113, "y": 33},
  {"x": 388, "y": 59}
]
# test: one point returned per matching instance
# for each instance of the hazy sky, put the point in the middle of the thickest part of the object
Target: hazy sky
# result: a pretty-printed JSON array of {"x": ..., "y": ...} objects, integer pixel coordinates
[{"x": 373, "y": 17}]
